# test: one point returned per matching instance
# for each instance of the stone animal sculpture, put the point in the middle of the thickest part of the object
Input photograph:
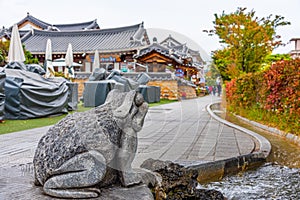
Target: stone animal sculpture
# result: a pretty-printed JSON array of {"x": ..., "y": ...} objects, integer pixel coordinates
[{"x": 90, "y": 150}]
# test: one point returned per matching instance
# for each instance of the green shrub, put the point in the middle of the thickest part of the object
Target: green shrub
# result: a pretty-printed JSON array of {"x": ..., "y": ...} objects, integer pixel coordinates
[{"x": 272, "y": 96}]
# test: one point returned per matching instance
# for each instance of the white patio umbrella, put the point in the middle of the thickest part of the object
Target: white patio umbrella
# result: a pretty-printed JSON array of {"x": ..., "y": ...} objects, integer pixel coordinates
[
  {"x": 15, "y": 52},
  {"x": 96, "y": 63},
  {"x": 49, "y": 66},
  {"x": 69, "y": 71}
]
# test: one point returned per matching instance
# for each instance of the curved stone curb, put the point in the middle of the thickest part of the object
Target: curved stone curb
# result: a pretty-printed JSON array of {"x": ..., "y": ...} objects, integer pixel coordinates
[
  {"x": 218, "y": 169},
  {"x": 264, "y": 144},
  {"x": 293, "y": 138}
]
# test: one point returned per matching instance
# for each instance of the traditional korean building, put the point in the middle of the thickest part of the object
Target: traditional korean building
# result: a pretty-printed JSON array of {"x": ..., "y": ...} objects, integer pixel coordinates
[
  {"x": 171, "y": 55},
  {"x": 183, "y": 67},
  {"x": 30, "y": 23},
  {"x": 155, "y": 58},
  {"x": 116, "y": 45},
  {"x": 124, "y": 48}
]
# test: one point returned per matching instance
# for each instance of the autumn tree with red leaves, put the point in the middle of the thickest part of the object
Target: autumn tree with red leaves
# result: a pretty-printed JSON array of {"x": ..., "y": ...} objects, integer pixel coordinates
[{"x": 246, "y": 40}]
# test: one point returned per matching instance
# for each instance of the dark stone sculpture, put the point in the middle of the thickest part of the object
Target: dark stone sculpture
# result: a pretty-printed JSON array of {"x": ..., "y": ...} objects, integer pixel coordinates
[
  {"x": 98, "y": 74},
  {"x": 178, "y": 182},
  {"x": 88, "y": 151}
]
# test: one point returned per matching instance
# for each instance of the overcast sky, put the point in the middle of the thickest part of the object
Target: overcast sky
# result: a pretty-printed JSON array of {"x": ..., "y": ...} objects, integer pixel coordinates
[{"x": 188, "y": 17}]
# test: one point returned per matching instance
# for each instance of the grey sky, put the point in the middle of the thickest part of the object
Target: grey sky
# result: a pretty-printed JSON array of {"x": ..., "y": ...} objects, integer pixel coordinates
[{"x": 187, "y": 17}]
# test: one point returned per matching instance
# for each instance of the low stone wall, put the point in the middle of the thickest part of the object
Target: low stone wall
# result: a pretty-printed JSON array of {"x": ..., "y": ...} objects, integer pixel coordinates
[
  {"x": 168, "y": 88},
  {"x": 80, "y": 86},
  {"x": 187, "y": 92}
]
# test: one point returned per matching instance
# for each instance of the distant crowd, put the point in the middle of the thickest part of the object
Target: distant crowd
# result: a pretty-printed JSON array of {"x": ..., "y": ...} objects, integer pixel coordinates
[{"x": 215, "y": 89}]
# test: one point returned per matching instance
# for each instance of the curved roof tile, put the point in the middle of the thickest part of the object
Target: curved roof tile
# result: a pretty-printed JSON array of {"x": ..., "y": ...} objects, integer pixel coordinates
[
  {"x": 78, "y": 26},
  {"x": 85, "y": 40},
  {"x": 40, "y": 23},
  {"x": 61, "y": 27}
]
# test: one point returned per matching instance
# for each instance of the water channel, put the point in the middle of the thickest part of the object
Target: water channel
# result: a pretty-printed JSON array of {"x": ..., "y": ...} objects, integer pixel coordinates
[{"x": 278, "y": 178}]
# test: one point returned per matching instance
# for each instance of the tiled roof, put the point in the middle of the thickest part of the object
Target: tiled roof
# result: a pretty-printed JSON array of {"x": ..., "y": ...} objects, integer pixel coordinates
[
  {"x": 178, "y": 53},
  {"x": 123, "y": 38},
  {"x": 78, "y": 26},
  {"x": 154, "y": 47},
  {"x": 182, "y": 50},
  {"x": 40, "y": 23},
  {"x": 59, "y": 27},
  {"x": 159, "y": 49},
  {"x": 170, "y": 41},
  {"x": 7, "y": 34},
  {"x": 3, "y": 32}
]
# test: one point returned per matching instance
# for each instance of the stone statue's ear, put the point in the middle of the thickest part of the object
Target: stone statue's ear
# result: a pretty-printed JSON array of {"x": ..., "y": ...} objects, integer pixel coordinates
[{"x": 124, "y": 109}]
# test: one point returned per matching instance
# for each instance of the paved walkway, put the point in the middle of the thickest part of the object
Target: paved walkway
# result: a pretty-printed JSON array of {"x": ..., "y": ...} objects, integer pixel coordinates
[{"x": 182, "y": 132}]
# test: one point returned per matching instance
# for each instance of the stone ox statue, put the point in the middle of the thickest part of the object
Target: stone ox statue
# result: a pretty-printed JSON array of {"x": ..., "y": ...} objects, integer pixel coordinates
[{"x": 91, "y": 150}]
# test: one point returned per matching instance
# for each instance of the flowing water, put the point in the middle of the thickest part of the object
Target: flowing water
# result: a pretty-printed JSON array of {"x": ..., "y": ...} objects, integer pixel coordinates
[
  {"x": 278, "y": 179},
  {"x": 270, "y": 181}
]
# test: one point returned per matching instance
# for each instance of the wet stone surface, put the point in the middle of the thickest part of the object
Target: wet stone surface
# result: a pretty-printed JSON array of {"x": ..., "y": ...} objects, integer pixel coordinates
[{"x": 179, "y": 182}]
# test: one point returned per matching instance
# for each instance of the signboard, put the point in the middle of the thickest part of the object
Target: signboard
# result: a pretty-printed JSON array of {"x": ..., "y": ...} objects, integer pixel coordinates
[
  {"x": 179, "y": 72},
  {"x": 108, "y": 59}
]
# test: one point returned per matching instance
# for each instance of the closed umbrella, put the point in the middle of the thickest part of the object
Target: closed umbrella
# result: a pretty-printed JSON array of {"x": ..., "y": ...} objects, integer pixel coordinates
[
  {"x": 15, "y": 53},
  {"x": 49, "y": 66},
  {"x": 69, "y": 71},
  {"x": 96, "y": 63}
]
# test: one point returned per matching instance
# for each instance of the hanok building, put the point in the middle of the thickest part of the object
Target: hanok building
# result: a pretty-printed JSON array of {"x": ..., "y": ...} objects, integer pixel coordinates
[
  {"x": 116, "y": 46},
  {"x": 171, "y": 55},
  {"x": 29, "y": 23},
  {"x": 125, "y": 48}
]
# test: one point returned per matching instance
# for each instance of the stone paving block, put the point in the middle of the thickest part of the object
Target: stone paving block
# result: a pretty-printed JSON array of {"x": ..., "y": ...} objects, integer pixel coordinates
[
  {"x": 208, "y": 158},
  {"x": 227, "y": 129},
  {"x": 221, "y": 152},
  {"x": 230, "y": 136}
]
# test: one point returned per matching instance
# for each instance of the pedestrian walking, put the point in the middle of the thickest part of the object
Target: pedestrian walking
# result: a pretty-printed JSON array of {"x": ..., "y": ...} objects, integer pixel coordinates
[{"x": 219, "y": 87}]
